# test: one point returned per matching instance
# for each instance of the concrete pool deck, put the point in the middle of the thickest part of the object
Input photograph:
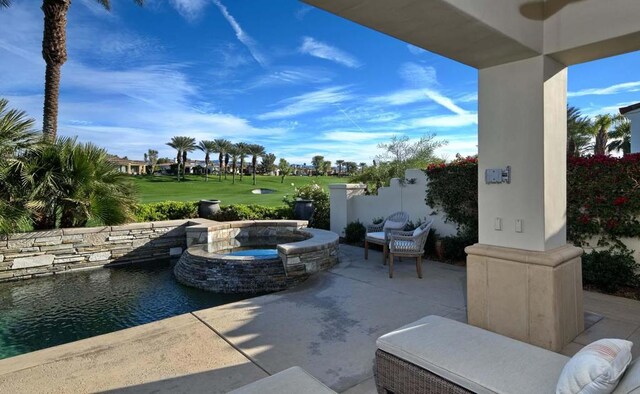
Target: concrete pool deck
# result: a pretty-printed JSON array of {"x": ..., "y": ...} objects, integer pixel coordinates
[{"x": 328, "y": 326}]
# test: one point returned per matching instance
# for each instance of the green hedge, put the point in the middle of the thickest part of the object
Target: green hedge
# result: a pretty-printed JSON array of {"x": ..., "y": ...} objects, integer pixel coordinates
[
  {"x": 166, "y": 210},
  {"x": 170, "y": 210},
  {"x": 610, "y": 270},
  {"x": 252, "y": 212}
]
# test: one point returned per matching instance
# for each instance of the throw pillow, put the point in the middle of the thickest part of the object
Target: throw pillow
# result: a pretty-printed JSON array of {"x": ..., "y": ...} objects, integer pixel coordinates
[
  {"x": 596, "y": 368},
  {"x": 391, "y": 225}
]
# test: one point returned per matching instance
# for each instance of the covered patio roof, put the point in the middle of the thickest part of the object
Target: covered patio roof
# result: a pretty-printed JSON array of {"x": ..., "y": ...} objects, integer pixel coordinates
[{"x": 485, "y": 33}]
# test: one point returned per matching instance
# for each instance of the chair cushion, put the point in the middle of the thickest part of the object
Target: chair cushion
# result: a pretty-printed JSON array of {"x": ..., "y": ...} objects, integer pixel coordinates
[
  {"x": 292, "y": 380},
  {"x": 630, "y": 382},
  {"x": 377, "y": 235},
  {"x": 390, "y": 224},
  {"x": 476, "y": 359},
  {"x": 419, "y": 230},
  {"x": 596, "y": 368}
]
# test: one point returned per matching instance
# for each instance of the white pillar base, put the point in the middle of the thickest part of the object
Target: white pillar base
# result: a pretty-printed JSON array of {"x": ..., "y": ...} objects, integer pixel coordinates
[{"x": 534, "y": 297}]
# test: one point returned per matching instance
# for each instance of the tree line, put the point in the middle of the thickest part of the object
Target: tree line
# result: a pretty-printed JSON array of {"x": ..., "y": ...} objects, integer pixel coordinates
[{"x": 604, "y": 134}]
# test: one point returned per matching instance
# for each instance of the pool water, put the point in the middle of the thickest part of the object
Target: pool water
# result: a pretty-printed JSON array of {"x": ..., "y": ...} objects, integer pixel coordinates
[
  {"x": 269, "y": 253},
  {"x": 44, "y": 312}
]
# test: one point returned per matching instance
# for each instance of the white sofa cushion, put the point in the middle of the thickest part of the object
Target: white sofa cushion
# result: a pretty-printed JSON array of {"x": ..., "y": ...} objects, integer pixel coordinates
[
  {"x": 630, "y": 382},
  {"x": 290, "y": 381},
  {"x": 379, "y": 235},
  {"x": 596, "y": 368},
  {"x": 473, "y": 358}
]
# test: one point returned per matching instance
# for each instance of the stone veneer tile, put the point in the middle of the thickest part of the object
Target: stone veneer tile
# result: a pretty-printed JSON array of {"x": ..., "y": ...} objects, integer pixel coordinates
[
  {"x": 170, "y": 223},
  {"x": 85, "y": 230},
  {"x": 35, "y": 234},
  {"x": 132, "y": 226}
]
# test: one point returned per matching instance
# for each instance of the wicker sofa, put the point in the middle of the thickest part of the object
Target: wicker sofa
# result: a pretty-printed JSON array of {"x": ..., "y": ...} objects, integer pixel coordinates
[{"x": 438, "y": 355}]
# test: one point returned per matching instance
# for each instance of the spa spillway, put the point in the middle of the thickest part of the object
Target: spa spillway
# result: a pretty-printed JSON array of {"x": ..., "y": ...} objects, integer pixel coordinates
[{"x": 256, "y": 256}]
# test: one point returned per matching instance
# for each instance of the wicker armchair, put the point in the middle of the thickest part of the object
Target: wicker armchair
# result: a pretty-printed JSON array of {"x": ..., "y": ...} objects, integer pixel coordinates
[
  {"x": 409, "y": 244},
  {"x": 379, "y": 233}
]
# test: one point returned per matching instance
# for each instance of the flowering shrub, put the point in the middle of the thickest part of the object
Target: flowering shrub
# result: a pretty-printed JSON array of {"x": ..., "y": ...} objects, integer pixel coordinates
[
  {"x": 603, "y": 198},
  {"x": 453, "y": 188}
]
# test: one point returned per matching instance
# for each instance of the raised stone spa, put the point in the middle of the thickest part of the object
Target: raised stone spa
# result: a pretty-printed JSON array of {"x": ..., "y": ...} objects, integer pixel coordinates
[{"x": 282, "y": 253}]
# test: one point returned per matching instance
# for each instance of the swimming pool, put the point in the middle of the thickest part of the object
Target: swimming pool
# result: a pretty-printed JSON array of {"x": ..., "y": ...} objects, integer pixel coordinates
[{"x": 44, "y": 312}]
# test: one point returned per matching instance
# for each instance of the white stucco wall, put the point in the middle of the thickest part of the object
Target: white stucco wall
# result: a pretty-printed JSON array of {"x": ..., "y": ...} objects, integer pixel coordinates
[{"x": 348, "y": 204}]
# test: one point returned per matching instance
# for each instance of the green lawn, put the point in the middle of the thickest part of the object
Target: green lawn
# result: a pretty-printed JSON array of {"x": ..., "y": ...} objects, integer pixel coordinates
[{"x": 163, "y": 188}]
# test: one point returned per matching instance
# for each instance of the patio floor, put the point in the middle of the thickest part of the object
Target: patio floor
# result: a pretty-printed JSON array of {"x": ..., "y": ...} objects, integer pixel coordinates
[{"x": 328, "y": 326}]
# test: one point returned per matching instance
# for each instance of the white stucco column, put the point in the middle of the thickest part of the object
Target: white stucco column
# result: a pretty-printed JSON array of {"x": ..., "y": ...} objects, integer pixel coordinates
[
  {"x": 339, "y": 195},
  {"x": 522, "y": 124},
  {"x": 522, "y": 279},
  {"x": 634, "y": 117}
]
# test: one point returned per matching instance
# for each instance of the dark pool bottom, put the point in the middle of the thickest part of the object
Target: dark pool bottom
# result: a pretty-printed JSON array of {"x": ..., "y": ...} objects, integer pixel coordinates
[{"x": 44, "y": 312}]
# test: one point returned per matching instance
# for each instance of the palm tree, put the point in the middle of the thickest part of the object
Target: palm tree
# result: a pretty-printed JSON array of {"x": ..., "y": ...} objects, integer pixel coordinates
[
  {"x": 339, "y": 163},
  {"x": 242, "y": 154},
  {"x": 222, "y": 146},
  {"x": 255, "y": 150},
  {"x": 54, "y": 52},
  {"x": 620, "y": 136},
  {"x": 579, "y": 132},
  {"x": 233, "y": 152},
  {"x": 208, "y": 147},
  {"x": 182, "y": 144},
  {"x": 601, "y": 129},
  {"x": 17, "y": 138},
  {"x": 71, "y": 183}
]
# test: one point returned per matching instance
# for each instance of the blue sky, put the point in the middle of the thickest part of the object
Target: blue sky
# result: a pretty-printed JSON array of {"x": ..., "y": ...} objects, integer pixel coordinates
[{"x": 293, "y": 78}]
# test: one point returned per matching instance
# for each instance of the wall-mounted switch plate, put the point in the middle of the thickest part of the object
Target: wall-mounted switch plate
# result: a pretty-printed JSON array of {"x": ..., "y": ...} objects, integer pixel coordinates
[
  {"x": 498, "y": 224},
  {"x": 518, "y": 225}
]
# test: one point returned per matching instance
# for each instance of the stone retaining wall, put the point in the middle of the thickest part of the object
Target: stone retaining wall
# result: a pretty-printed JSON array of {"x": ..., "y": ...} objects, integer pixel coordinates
[
  {"x": 304, "y": 251},
  {"x": 39, "y": 253},
  {"x": 244, "y": 275}
]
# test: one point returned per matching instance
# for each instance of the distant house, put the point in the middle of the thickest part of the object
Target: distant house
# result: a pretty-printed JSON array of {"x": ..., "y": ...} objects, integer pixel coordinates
[
  {"x": 632, "y": 113},
  {"x": 191, "y": 167},
  {"x": 127, "y": 166}
]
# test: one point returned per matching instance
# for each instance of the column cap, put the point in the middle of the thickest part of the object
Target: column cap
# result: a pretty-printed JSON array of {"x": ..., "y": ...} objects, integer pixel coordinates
[{"x": 347, "y": 186}]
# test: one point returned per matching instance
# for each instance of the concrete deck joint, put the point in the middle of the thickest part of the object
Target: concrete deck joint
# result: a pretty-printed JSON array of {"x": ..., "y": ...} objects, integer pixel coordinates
[{"x": 253, "y": 361}]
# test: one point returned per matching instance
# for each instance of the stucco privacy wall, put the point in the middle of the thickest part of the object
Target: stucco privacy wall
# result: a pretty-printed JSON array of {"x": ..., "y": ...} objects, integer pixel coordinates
[
  {"x": 39, "y": 253},
  {"x": 349, "y": 203}
]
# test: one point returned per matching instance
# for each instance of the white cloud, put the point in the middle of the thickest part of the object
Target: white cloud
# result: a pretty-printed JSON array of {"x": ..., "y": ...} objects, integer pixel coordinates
[
  {"x": 415, "y": 50},
  {"x": 400, "y": 97},
  {"x": 242, "y": 36},
  {"x": 417, "y": 75},
  {"x": 356, "y": 136},
  {"x": 445, "y": 102},
  {"x": 445, "y": 121},
  {"x": 613, "y": 89},
  {"x": 321, "y": 50},
  {"x": 468, "y": 98},
  {"x": 302, "y": 12},
  {"x": 189, "y": 9},
  {"x": 309, "y": 102},
  {"x": 291, "y": 76}
]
